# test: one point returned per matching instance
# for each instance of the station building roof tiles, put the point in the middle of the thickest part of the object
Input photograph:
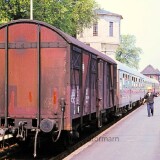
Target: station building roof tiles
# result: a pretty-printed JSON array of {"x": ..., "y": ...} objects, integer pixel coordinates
[{"x": 149, "y": 70}]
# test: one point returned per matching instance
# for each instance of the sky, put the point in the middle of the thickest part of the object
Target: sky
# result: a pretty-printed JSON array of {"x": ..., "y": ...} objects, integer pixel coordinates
[{"x": 141, "y": 18}]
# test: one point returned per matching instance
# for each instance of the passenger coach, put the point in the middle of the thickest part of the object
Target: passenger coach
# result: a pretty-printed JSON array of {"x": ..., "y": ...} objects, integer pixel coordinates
[{"x": 132, "y": 86}]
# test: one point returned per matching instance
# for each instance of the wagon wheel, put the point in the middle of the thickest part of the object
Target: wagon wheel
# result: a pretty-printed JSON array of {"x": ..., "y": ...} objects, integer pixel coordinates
[{"x": 69, "y": 140}]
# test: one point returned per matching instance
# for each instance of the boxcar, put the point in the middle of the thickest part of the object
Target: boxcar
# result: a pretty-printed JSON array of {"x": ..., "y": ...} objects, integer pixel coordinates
[{"x": 50, "y": 82}]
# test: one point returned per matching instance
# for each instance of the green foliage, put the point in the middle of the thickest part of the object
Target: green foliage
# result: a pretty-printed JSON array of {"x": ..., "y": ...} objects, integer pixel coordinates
[
  {"x": 127, "y": 52},
  {"x": 71, "y": 16},
  {"x": 13, "y": 9}
]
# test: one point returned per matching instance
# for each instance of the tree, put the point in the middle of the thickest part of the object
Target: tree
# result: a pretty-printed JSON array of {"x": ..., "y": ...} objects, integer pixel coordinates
[
  {"x": 14, "y": 9},
  {"x": 71, "y": 16},
  {"x": 127, "y": 52}
]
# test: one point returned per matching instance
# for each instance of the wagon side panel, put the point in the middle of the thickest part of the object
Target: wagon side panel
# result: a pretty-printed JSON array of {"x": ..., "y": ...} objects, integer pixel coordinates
[
  {"x": 55, "y": 76},
  {"x": 22, "y": 70},
  {"x": 53, "y": 80},
  {"x": 2, "y": 72},
  {"x": 85, "y": 83}
]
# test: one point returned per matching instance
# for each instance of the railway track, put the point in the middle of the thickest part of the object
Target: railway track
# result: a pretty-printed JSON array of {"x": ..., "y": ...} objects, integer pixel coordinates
[
  {"x": 8, "y": 149},
  {"x": 47, "y": 151},
  {"x": 88, "y": 138}
]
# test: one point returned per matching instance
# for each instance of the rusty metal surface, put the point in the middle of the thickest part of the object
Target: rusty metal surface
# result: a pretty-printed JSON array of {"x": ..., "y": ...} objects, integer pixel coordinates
[
  {"x": 37, "y": 69},
  {"x": 38, "y": 72},
  {"x": 134, "y": 138},
  {"x": 22, "y": 69},
  {"x": 2, "y": 81},
  {"x": 53, "y": 78},
  {"x": 2, "y": 74},
  {"x": 68, "y": 38},
  {"x": 54, "y": 75},
  {"x": 25, "y": 45}
]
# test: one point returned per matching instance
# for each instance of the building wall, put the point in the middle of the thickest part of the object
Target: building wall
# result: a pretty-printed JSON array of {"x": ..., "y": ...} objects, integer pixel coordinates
[
  {"x": 154, "y": 76},
  {"x": 103, "y": 42}
]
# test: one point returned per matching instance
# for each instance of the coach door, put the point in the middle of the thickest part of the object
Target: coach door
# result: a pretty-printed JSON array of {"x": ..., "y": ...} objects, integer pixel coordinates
[{"x": 112, "y": 85}]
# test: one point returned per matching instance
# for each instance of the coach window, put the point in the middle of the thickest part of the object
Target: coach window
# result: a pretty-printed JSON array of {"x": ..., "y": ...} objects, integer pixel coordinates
[
  {"x": 128, "y": 80},
  {"x": 127, "y": 83},
  {"x": 139, "y": 83},
  {"x": 143, "y": 83},
  {"x": 123, "y": 81},
  {"x": 136, "y": 82}
]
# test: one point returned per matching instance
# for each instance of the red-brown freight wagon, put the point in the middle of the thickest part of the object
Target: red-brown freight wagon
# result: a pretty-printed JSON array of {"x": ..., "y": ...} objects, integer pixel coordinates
[{"x": 49, "y": 81}]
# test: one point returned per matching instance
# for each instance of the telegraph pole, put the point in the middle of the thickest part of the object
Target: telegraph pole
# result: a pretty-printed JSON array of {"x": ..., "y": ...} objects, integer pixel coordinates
[{"x": 31, "y": 9}]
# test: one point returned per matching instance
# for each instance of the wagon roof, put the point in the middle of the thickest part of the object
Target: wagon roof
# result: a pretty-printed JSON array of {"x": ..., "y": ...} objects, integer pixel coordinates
[
  {"x": 67, "y": 37},
  {"x": 127, "y": 69},
  {"x": 123, "y": 67}
]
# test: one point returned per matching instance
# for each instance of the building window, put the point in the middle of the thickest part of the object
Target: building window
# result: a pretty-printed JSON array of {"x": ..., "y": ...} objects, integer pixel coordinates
[
  {"x": 88, "y": 44},
  {"x": 95, "y": 29},
  {"x": 103, "y": 47},
  {"x": 111, "y": 29},
  {"x": 81, "y": 34}
]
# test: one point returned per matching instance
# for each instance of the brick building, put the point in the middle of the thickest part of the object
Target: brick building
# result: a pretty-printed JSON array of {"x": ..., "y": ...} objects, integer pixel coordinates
[{"x": 151, "y": 72}]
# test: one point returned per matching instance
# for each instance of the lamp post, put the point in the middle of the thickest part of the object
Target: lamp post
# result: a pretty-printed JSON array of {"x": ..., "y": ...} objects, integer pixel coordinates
[{"x": 31, "y": 9}]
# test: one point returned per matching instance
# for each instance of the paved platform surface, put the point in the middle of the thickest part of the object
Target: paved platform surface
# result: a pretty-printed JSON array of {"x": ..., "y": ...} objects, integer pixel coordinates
[{"x": 136, "y": 137}]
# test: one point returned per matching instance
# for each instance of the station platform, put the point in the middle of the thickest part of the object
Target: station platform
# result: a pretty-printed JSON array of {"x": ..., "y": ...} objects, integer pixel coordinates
[{"x": 135, "y": 137}]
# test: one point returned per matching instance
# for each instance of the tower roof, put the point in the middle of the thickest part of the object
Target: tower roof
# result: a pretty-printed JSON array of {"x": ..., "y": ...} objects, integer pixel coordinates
[{"x": 104, "y": 12}]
